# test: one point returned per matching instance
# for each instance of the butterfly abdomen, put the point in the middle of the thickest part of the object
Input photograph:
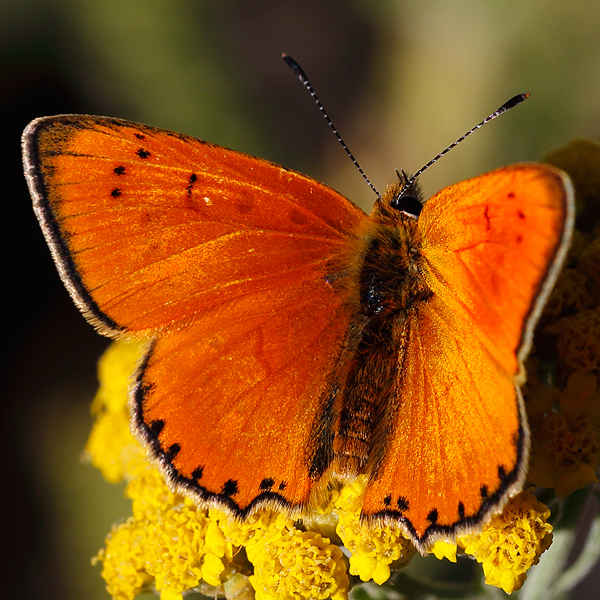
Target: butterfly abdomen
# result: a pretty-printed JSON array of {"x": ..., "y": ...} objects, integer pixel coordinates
[{"x": 391, "y": 286}]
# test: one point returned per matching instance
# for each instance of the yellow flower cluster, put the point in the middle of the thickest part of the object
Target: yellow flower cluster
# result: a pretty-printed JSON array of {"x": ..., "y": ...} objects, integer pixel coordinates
[
  {"x": 375, "y": 548},
  {"x": 565, "y": 417},
  {"x": 511, "y": 542}
]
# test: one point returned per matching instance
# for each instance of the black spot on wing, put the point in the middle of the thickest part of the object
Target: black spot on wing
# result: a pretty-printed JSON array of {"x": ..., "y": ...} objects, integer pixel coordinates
[
  {"x": 432, "y": 517},
  {"x": 402, "y": 503},
  {"x": 143, "y": 153},
  {"x": 172, "y": 452},
  {"x": 230, "y": 488},
  {"x": 197, "y": 473},
  {"x": 116, "y": 193},
  {"x": 502, "y": 473},
  {"x": 267, "y": 484},
  {"x": 191, "y": 181},
  {"x": 119, "y": 170},
  {"x": 156, "y": 427}
]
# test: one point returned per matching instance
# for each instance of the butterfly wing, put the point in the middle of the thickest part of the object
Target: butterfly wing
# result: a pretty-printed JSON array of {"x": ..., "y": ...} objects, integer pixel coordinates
[
  {"x": 149, "y": 227},
  {"x": 228, "y": 263},
  {"x": 492, "y": 247},
  {"x": 237, "y": 405}
]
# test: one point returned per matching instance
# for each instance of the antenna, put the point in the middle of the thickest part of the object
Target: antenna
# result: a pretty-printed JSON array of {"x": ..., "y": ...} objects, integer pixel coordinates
[
  {"x": 304, "y": 79},
  {"x": 504, "y": 108}
]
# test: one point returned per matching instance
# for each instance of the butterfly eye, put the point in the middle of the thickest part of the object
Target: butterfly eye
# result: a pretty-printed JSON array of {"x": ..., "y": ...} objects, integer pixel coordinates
[{"x": 407, "y": 204}]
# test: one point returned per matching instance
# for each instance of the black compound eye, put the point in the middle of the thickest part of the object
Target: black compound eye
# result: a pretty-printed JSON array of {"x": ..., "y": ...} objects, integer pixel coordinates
[{"x": 407, "y": 204}]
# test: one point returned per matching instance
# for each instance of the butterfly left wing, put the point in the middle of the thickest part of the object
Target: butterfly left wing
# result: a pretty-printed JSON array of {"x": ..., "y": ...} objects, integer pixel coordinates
[
  {"x": 148, "y": 227},
  {"x": 492, "y": 247},
  {"x": 233, "y": 266}
]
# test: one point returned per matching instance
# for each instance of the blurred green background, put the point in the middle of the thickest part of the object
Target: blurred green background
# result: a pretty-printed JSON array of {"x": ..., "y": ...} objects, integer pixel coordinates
[{"x": 400, "y": 79}]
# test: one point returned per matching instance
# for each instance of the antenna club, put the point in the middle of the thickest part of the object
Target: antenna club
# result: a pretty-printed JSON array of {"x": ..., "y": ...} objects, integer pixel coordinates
[
  {"x": 294, "y": 66},
  {"x": 513, "y": 102}
]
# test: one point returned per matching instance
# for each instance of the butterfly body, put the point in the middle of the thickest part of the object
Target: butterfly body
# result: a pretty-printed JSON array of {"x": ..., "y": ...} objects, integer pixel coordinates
[
  {"x": 390, "y": 286},
  {"x": 294, "y": 340}
]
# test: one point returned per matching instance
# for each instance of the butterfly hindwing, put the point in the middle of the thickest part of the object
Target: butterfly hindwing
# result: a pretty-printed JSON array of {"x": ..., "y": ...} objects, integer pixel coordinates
[{"x": 230, "y": 412}]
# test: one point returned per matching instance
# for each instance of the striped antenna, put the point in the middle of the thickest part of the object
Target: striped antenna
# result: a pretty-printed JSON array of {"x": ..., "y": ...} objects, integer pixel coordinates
[
  {"x": 304, "y": 79},
  {"x": 504, "y": 108}
]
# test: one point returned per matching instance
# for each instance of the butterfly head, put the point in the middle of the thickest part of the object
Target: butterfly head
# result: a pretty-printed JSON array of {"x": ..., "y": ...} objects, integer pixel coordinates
[{"x": 401, "y": 200}]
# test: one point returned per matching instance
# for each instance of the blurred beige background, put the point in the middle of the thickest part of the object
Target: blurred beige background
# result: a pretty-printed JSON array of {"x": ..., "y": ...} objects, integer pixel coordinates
[{"x": 400, "y": 79}]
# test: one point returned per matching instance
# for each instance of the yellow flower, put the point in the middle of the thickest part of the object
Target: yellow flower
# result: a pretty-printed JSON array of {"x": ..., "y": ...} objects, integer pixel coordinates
[
  {"x": 566, "y": 445},
  {"x": 566, "y": 452},
  {"x": 294, "y": 564},
  {"x": 443, "y": 549},
  {"x": 124, "y": 560},
  {"x": 375, "y": 548},
  {"x": 511, "y": 542},
  {"x": 111, "y": 441},
  {"x": 579, "y": 339},
  {"x": 581, "y": 160},
  {"x": 581, "y": 395},
  {"x": 569, "y": 293}
]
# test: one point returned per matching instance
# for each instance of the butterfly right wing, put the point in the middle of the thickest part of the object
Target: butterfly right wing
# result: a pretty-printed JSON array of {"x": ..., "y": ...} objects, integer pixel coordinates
[{"x": 492, "y": 247}]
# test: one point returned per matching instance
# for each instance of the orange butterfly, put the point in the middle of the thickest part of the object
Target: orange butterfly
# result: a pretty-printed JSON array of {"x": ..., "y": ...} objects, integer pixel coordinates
[{"x": 296, "y": 340}]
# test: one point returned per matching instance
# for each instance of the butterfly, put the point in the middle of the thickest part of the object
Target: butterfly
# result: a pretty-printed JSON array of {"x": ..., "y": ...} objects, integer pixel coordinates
[{"x": 295, "y": 340}]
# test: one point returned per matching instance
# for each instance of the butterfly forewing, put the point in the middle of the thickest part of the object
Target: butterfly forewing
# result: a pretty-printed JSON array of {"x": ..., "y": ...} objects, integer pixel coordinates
[{"x": 149, "y": 227}]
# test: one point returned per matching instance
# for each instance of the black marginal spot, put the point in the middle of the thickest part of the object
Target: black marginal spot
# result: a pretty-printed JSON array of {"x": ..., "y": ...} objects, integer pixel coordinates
[
  {"x": 483, "y": 491},
  {"x": 197, "y": 473},
  {"x": 502, "y": 473},
  {"x": 511, "y": 194},
  {"x": 116, "y": 193},
  {"x": 432, "y": 517},
  {"x": 387, "y": 500},
  {"x": 156, "y": 427},
  {"x": 402, "y": 503},
  {"x": 267, "y": 484},
  {"x": 172, "y": 452},
  {"x": 140, "y": 136},
  {"x": 230, "y": 487},
  {"x": 461, "y": 510},
  {"x": 282, "y": 486},
  {"x": 143, "y": 153},
  {"x": 119, "y": 170}
]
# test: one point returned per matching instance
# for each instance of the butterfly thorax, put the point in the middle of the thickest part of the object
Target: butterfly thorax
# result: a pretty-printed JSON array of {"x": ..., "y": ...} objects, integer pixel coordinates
[{"x": 391, "y": 287}]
